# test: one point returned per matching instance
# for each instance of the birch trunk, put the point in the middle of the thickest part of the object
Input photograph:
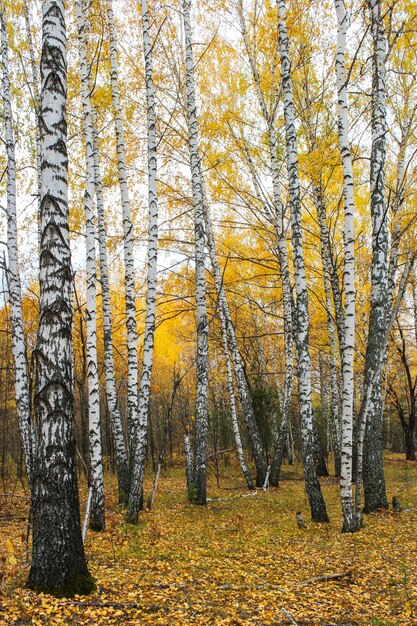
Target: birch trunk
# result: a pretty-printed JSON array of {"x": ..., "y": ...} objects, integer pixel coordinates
[
  {"x": 97, "y": 516},
  {"x": 229, "y": 337},
  {"x": 13, "y": 273},
  {"x": 132, "y": 334},
  {"x": 349, "y": 523},
  {"x": 368, "y": 400},
  {"x": 111, "y": 394},
  {"x": 335, "y": 418},
  {"x": 148, "y": 345},
  {"x": 198, "y": 490},
  {"x": 278, "y": 222},
  {"x": 36, "y": 98},
  {"x": 58, "y": 560},
  {"x": 123, "y": 475},
  {"x": 317, "y": 504},
  {"x": 373, "y": 471}
]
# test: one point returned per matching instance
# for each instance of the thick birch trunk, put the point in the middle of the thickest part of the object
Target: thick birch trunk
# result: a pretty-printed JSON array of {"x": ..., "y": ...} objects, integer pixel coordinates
[
  {"x": 350, "y": 522},
  {"x": 198, "y": 491},
  {"x": 132, "y": 334},
  {"x": 97, "y": 516},
  {"x": 138, "y": 468},
  {"x": 58, "y": 560},
  {"x": 367, "y": 400},
  {"x": 374, "y": 481},
  {"x": 13, "y": 273},
  {"x": 317, "y": 504}
]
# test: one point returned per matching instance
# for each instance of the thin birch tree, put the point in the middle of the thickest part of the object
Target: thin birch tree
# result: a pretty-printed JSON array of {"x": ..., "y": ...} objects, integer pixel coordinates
[
  {"x": 36, "y": 100},
  {"x": 278, "y": 220},
  {"x": 316, "y": 500},
  {"x": 229, "y": 340},
  {"x": 348, "y": 513},
  {"x": 128, "y": 233},
  {"x": 58, "y": 560},
  {"x": 12, "y": 270},
  {"x": 97, "y": 515},
  {"x": 138, "y": 466},
  {"x": 197, "y": 491}
]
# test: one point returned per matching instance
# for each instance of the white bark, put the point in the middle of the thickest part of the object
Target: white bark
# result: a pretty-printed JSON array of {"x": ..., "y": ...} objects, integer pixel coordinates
[
  {"x": 346, "y": 494},
  {"x": 277, "y": 219},
  {"x": 58, "y": 560},
  {"x": 375, "y": 496},
  {"x": 97, "y": 516},
  {"x": 132, "y": 335},
  {"x": 226, "y": 325},
  {"x": 148, "y": 344},
  {"x": 13, "y": 273},
  {"x": 317, "y": 505},
  {"x": 335, "y": 418},
  {"x": 366, "y": 404},
  {"x": 199, "y": 496},
  {"x": 36, "y": 98},
  {"x": 111, "y": 393}
]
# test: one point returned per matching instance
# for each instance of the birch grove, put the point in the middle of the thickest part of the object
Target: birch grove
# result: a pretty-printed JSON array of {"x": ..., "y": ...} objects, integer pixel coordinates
[{"x": 225, "y": 192}]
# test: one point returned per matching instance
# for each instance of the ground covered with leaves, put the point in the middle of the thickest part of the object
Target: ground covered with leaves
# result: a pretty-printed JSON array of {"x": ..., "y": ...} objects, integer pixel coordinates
[{"x": 240, "y": 560}]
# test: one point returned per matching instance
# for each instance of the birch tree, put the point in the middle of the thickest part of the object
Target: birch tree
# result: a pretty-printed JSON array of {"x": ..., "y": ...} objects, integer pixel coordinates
[
  {"x": 374, "y": 484},
  {"x": 97, "y": 516},
  {"x": 317, "y": 504},
  {"x": 229, "y": 339},
  {"x": 152, "y": 258},
  {"x": 132, "y": 334},
  {"x": 12, "y": 271},
  {"x": 277, "y": 217},
  {"x": 36, "y": 100},
  {"x": 348, "y": 513},
  {"x": 111, "y": 393},
  {"x": 335, "y": 418},
  {"x": 197, "y": 492},
  {"x": 58, "y": 560}
]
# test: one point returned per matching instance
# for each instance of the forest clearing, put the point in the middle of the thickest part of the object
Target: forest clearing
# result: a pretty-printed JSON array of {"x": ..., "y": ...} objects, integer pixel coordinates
[{"x": 238, "y": 561}]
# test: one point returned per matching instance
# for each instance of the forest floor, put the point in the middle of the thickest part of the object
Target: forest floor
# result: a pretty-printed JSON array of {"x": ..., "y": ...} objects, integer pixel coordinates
[{"x": 237, "y": 561}]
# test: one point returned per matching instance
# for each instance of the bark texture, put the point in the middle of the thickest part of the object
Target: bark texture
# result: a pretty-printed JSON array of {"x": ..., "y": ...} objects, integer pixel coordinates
[
  {"x": 132, "y": 334},
  {"x": 12, "y": 272},
  {"x": 316, "y": 500},
  {"x": 373, "y": 471},
  {"x": 58, "y": 560},
  {"x": 138, "y": 466},
  {"x": 97, "y": 516},
  {"x": 198, "y": 491},
  {"x": 350, "y": 522}
]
